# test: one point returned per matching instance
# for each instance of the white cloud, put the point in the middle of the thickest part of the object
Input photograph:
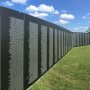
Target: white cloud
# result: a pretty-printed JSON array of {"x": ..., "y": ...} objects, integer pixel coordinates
[
  {"x": 42, "y": 8},
  {"x": 56, "y": 12},
  {"x": 82, "y": 28},
  {"x": 84, "y": 17},
  {"x": 8, "y": 3},
  {"x": 41, "y": 11},
  {"x": 64, "y": 22},
  {"x": 45, "y": 8},
  {"x": 40, "y": 15},
  {"x": 19, "y": 1},
  {"x": 87, "y": 16},
  {"x": 32, "y": 8},
  {"x": 64, "y": 18},
  {"x": 67, "y": 16}
]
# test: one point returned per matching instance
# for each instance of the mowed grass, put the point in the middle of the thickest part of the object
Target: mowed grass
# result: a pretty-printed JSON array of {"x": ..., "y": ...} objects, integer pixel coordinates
[{"x": 72, "y": 72}]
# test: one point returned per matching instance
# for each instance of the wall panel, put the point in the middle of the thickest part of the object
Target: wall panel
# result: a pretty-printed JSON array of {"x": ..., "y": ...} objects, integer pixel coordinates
[
  {"x": 33, "y": 51},
  {"x": 56, "y": 46},
  {"x": 43, "y": 48},
  {"x": 50, "y": 47},
  {"x": 16, "y": 61}
]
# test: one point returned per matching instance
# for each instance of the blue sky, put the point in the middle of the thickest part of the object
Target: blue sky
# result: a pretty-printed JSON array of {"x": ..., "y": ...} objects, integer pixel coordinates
[{"x": 71, "y": 14}]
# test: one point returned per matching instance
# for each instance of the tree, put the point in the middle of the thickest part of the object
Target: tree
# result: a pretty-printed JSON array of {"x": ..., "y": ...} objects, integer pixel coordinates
[{"x": 88, "y": 30}]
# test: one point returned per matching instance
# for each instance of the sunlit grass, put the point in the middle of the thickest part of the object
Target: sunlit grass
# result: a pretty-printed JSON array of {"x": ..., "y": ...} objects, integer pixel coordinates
[{"x": 71, "y": 73}]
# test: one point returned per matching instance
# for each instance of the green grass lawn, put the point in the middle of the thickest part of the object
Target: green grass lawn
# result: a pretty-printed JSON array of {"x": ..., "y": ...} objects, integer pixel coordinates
[{"x": 71, "y": 73}]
